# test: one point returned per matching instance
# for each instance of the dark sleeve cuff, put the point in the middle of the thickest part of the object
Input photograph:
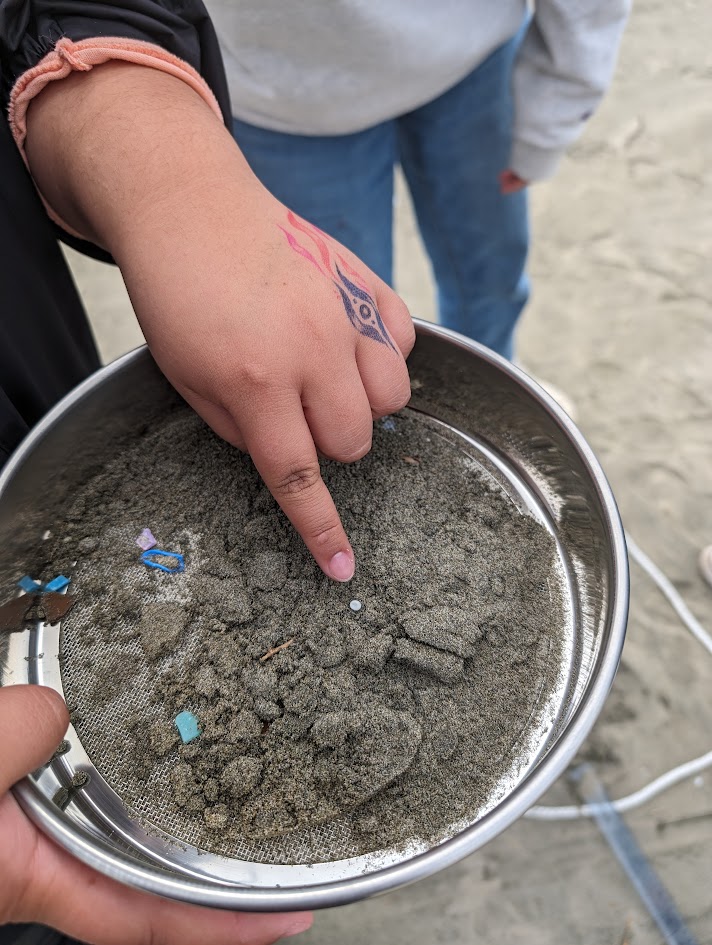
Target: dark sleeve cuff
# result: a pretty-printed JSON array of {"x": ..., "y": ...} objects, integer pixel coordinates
[
  {"x": 45, "y": 40},
  {"x": 68, "y": 57},
  {"x": 29, "y": 29}
]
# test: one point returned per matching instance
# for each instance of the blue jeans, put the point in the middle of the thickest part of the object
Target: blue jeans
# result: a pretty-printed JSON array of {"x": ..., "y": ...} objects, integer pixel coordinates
[{"x": 451, "y": 151}]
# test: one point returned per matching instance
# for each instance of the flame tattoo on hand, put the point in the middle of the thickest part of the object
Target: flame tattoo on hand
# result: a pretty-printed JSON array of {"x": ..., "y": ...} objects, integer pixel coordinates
[{"x": 359, "y": 306}]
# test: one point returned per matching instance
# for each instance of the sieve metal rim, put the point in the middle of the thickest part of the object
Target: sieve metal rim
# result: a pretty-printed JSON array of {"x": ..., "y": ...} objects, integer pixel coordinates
[{"x": 117, "y": 865}]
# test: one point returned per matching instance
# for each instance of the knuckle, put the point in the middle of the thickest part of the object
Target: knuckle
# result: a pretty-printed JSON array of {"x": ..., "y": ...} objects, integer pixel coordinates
[
  {"x": 323, "y": 533},
  {"x": 252, "y": 375},
  {"x": 297, "y": 480}
]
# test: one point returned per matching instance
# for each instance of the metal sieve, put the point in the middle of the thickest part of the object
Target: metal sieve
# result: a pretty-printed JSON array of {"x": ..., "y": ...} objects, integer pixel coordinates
[{"x": 512, "y": 430}]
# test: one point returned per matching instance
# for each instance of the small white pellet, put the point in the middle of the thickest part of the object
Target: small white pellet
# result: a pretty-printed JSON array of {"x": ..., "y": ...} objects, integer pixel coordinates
[{"x": 355, "y": 605}]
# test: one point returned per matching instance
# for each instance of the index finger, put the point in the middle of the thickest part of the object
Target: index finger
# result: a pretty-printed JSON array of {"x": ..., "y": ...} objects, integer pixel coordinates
[{"x": 282, "y": 448}]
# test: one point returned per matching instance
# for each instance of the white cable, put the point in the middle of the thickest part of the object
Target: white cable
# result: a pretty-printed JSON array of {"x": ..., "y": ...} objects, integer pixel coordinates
[
  {"x": 675, "y": 775},
  {"x": 678, "y": 604},
  {"x": 623, "y": 804}
]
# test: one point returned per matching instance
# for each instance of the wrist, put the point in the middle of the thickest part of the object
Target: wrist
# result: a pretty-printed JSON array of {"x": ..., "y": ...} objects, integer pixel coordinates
[{"x": 114, "y": 149}]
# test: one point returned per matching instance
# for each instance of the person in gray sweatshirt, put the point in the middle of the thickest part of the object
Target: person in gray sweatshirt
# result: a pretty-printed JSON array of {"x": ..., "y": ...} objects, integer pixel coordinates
[{"x": 474, "y": 99}]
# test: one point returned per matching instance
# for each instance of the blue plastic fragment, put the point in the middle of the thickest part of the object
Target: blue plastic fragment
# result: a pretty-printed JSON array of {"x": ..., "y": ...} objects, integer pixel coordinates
[
  {"x": 179, "y": 566},
  {"x": 187, "y": 725},
  {"x": 388, "y": 423},
  {"x": 28, "y": 585},
  {"x": 57, "y": 584}
]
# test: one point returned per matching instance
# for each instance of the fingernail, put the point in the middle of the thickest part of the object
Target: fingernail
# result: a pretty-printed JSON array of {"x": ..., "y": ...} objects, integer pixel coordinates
[{"x": 342, "y": 567}]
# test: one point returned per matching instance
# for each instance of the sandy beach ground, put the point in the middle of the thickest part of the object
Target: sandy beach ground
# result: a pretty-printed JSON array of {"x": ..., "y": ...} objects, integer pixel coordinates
[{"x": 621, "y": 319}]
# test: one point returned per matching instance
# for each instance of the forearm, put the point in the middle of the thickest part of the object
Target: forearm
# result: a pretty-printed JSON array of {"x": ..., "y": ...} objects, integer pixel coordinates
[{"x": 111, "y": 149}]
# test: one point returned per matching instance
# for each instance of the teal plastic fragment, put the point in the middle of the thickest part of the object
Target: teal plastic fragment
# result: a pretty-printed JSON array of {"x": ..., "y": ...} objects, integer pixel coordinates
[{"x": 187, "y": 725}]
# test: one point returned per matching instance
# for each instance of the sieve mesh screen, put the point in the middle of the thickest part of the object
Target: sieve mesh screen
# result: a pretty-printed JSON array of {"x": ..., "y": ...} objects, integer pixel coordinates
[
  {"x": 83, "y": 662},
  {"x": 113, "y": 680}
]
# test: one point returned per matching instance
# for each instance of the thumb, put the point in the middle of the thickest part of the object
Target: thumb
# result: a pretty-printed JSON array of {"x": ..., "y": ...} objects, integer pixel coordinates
[{"x": 33, "y": 720}]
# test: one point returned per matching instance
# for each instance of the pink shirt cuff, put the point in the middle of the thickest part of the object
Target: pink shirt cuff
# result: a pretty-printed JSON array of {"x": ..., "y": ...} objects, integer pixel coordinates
[{"x": 68, "y": 57}]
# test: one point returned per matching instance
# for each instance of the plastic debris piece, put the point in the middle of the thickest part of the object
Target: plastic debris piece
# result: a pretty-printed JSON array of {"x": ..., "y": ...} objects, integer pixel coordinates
[
  {"x": 28, "y": 585},
  {"x": 276, "y": 649},
  {"x": 56, "y": 606},
  {"x": 148, "y": 556},
  {"x": 187, "y": 725},
  {"x": 355, "y": 605},
  {"x": 57, "y": 584},
  {"x": 388, "y": 423},
  {"x": 146, "y": 540},
  {"x": 14, "y": 613},
  {"x": 411, "y": 460}
]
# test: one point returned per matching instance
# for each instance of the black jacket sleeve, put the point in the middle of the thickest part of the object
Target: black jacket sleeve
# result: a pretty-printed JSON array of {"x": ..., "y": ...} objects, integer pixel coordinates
[{"x": 29, "y": 29}]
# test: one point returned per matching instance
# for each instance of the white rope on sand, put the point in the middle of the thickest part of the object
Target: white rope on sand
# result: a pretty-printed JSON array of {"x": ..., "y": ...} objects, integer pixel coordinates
[
  {"x": 623, "y": 804},
  {"x": 675, "y": 775},
  {"x": 666, "y": 587}
]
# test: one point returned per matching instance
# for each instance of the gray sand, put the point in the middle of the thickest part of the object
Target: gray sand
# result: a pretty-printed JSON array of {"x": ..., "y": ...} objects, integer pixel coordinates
[{"x": 404, "y": 714}]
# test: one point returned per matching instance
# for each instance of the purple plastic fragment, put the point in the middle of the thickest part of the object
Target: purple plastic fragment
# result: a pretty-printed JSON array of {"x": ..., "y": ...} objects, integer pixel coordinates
[{"x": 146, "y": 540}]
